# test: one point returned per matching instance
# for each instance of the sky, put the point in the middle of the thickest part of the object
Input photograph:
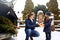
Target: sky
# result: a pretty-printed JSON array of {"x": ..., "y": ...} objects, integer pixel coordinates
[{"x": 20, "y": 4}]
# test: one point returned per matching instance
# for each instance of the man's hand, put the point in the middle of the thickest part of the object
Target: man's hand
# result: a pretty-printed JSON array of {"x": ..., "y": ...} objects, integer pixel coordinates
[{"x": 38, "y": 25}]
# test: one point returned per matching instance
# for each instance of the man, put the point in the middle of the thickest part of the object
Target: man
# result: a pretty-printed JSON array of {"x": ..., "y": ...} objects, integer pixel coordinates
[
  {"x": 30, "y": 26},
  {"x": 47, "y": 25}
]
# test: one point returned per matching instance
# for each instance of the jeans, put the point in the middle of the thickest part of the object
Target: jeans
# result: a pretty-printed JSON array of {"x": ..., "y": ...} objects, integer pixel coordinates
[
  {"x": 31, "y": 33},
  {"x": 48, "y": 35}
]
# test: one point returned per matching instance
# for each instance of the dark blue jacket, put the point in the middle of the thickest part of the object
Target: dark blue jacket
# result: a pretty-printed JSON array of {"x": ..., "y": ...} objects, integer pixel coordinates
[
  {"x": 29, "y": 24},
  {"x": 47, "y": 27}
]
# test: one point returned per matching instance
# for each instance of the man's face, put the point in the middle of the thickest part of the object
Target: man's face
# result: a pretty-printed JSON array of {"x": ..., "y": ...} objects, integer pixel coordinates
[
  {"x": 33, "y": 13},
  {"x": 32, "y": 17}
]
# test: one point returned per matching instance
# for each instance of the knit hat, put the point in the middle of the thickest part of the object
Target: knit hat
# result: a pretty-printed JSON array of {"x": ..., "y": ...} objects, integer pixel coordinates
[{"x": 48, "y": 13}]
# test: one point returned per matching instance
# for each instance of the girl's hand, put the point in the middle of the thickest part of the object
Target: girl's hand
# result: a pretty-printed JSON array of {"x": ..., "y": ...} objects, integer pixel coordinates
[{"x": 41, "y": 25}]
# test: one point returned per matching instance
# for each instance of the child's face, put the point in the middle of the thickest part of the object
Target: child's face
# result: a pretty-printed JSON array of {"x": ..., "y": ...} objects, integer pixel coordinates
[
  {"x": 40, "y": 16},
  {"x": 46, "y": 16}
]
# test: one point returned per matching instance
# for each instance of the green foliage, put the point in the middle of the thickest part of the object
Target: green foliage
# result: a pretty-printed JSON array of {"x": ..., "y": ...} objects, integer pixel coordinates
[
  {"x": 53, "y": 7},
  {"x": 57, "y": 17},
  {"x": 40, "y": 7},
  {"x": 6, "y": 21},
  {"x": 6, "y": 26},
  {"x": 28, "y": 8},
  {"x": 7, "y": 29}
]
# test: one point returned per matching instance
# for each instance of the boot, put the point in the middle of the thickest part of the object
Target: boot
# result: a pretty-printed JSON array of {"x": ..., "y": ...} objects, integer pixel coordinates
[{"x": 31, "y": 38}]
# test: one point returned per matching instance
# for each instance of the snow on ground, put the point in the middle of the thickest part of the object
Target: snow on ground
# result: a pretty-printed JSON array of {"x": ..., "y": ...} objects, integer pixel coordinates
[{"x": 21, "y": 35}]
